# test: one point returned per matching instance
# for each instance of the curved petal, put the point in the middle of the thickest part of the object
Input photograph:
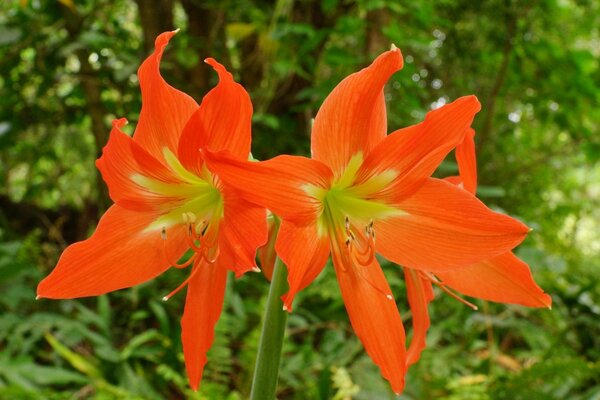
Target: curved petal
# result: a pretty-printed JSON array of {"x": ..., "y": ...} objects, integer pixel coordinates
[
  {"x": 286, "y": 185},
  {"x": 445, "y": 227},
  {"x": 304, "y": 253},
  {"x": 352, "y": 118},
  {"x": 121, "y": 253},
  {"x": 420, "y": 294},
  {"x": 504, "y": 279},
  {"x": 375, "y": 319},
  {"x": 412, "y": 154},
  {"x": 203, "y": 305},
  {"x": 165, "y": 110},
  {"x": 221, "y": 123},
  {"x": 122, "y": 161},
  {"x": 467, "y": 162},
  {"x": 266, "y": 254},
  {"x": 242, "y": 231}
]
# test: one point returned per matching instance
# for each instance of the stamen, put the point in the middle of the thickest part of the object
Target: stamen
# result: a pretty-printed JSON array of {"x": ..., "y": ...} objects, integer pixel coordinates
[
  {"x": 211, "y": 259},
  {"x": 191, "y": 241},
  {"x": 363, "y": 258},
  {"x": 201, "y": 227},
  {"x": 445, "y": 289},
  {"x": 195, "y": 269},
  {"x": 361, "y": 248},
  {"x": 163, "y": 233},
  {"x": 187, "y": 263}
]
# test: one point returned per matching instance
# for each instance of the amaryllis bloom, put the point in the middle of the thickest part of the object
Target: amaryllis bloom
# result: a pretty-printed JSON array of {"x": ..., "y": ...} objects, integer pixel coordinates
[
  {"x": 167, "y": 201},
  {"x": 366, "y": 192},
  {"x": 504, "y": 278}
]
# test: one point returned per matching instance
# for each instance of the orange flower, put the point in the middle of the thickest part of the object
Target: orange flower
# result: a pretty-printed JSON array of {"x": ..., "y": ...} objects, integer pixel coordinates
[
  {"x": 361, "y": 181},
  {"x": 504, "y": 278},
  {"x": 169, "y": 201}
]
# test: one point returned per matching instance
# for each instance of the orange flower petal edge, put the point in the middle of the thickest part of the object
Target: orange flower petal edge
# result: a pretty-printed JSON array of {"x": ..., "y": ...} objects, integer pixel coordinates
[{"x": 169, "y": 202}]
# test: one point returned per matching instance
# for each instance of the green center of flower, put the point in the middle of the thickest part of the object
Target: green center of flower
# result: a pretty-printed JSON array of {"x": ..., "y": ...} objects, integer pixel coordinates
[
  {"x": 347, "y": 200},
  {"x": 198, "y": 201}
]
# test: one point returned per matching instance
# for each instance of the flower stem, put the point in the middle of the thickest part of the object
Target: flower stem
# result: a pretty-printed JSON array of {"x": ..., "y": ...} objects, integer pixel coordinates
[{"x": 266, "y": 371}]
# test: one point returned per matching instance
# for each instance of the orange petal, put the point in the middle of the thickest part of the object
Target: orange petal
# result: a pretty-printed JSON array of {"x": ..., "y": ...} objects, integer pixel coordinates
[
  {"x": 375, "y": 319},
  {"x": 122, "y": 159},
  {"x": 504, "y": 279},
  {"x": 242, "y": 231},
  {"x": 445, "y": 227},
  {"x": 420, "y": 294},
  {"x": 352, "y": 118},
  {"x": 165, "y": 110},
  {"x": 304, "y": 253},
  {"x": 221, "y": 123},
  {"x": 120, "y": 254},
  {"x": 280, "y": 184},
  {"x": 266, "y": 254},
  {"x": 203, "y": 305},
  {"x": 415, "y": 152},
  {"x": 467, "y": 161}
]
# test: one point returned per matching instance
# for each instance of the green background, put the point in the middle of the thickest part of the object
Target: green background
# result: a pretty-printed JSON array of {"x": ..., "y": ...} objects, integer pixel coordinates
[{"x": 67, "y": 68}]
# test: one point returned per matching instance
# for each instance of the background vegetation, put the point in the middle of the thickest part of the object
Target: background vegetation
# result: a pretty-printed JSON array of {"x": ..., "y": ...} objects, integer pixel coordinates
[{"x": 67, "y": 68}]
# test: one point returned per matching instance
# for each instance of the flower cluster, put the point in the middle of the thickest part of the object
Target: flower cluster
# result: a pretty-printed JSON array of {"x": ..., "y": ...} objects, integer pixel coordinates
[{"x": 183, "y": 184}]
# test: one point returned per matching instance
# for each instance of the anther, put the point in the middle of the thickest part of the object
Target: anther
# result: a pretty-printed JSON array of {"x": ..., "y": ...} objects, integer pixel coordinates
[
  {"x": 38, "y": 297},
  {"x": 201, "y": 227},
  {"x": 163, "y": 233},
  {"x": 284, "y": 308},
  {"x": 389, "y": 297},
  {"x": 255, "y": 269}
]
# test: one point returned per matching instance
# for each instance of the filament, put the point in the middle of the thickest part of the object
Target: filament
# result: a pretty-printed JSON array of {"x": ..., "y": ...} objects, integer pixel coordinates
[{"x": 445, "y": 289}]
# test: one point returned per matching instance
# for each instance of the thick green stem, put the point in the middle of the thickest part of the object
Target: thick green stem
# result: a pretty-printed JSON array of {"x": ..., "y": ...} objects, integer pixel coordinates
[{"x": 266, "y": 371}]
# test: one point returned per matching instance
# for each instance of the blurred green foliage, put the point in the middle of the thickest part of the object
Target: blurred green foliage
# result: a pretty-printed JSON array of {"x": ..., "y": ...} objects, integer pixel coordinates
[{"x": 68, "y": 68}]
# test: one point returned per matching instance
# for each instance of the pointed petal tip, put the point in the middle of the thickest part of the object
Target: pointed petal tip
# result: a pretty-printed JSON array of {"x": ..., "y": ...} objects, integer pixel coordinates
[
  {"x": 219, "y": 68},
  {"x": 163, "y": 39},
  {"x": 396, "y": 55},
  {"x": 546, "y": 301},
  {"x": 287, "y": 303},
  {"x": 469, "y": 103},
  {"x": 119, "y": 122}
]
